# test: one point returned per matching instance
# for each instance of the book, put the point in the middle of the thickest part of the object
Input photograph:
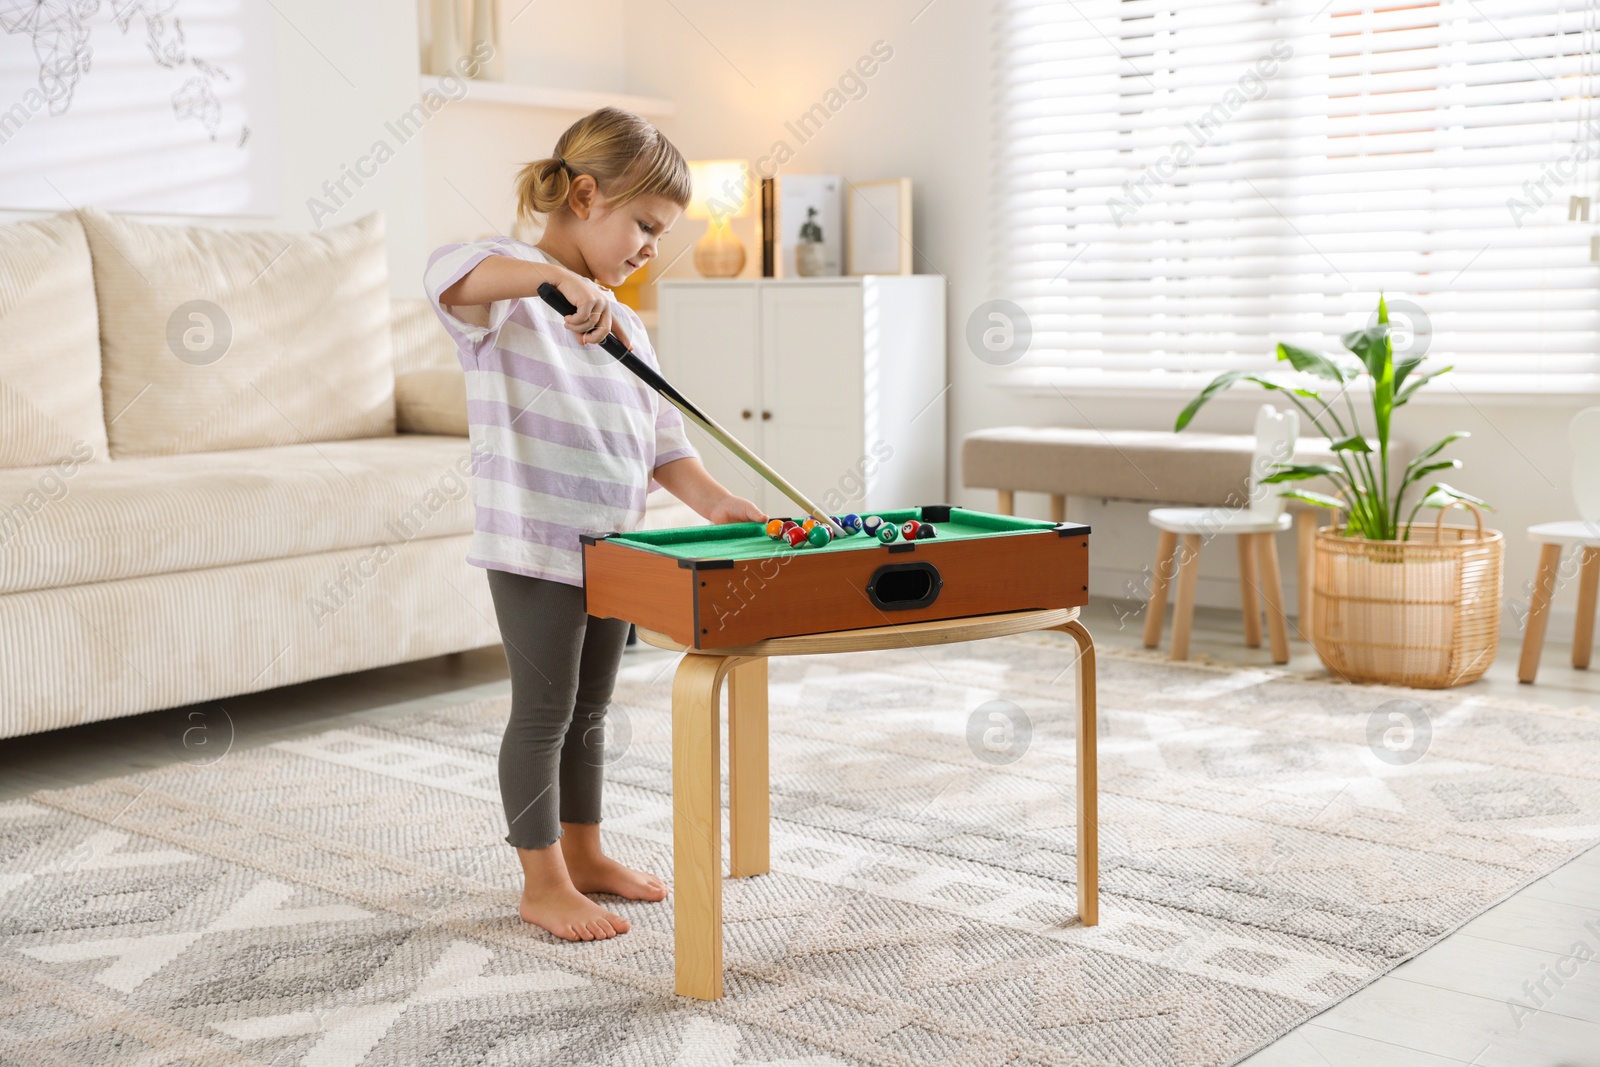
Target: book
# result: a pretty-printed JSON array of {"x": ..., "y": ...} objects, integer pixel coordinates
[{"x": 769, "y": 232}]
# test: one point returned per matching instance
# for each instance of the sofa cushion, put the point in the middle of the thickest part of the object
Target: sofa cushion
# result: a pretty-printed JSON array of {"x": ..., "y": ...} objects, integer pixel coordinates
[
  {"x": 49, "y": 345},
  {"x": 420, "y": 339},
  {"x": 158, "y": 514},
  {"x": 431, "y": 401},
  {"x": 430, "y": 392},
  {"x": 214, "y": 338}
]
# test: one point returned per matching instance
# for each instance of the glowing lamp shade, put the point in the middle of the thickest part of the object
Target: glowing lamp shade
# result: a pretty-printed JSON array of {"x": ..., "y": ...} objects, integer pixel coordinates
[{"x": 720, "y": 192}]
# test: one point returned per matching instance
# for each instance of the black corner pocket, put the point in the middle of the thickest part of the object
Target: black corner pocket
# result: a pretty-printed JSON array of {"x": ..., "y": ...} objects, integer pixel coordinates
[{"x": 896, "y": 586}]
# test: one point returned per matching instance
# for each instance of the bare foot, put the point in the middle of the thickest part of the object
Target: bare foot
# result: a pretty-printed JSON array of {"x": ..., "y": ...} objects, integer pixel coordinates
[
  {"x": 602, "y": 874},
  {"x": 569, "y": 914},
  {"x": 591, "y": 871},
  {"x": 549, "y": 900}
]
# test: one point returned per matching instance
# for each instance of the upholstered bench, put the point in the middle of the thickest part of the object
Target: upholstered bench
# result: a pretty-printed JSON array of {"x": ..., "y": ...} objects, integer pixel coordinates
[
  {"x": 1153, "y": 466},
  {"x": 1150, "y": 466}
]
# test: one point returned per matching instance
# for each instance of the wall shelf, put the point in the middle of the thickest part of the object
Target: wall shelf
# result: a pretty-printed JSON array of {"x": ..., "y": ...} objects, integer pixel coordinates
[{"x": 551, "y": 98}]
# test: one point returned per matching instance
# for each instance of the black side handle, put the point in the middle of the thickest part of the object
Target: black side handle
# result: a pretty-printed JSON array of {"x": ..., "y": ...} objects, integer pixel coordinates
[{"x": 897, "y": 586}]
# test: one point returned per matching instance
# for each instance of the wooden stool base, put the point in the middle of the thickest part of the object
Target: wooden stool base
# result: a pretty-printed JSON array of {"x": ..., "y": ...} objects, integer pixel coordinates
[
  {"x": 697, "y": 776},
  {"x": 1260, "y": 588},
  {"x": 1544, "y": 587}
]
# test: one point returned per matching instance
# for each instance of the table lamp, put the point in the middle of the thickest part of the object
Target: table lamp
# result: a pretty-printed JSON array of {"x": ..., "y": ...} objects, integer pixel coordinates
[{"x": 720, "y": 191}]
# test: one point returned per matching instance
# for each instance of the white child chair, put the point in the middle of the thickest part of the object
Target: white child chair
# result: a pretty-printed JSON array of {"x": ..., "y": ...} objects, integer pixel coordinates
[
  {"x": 1255, "y": 526},
  {"x": 1584, "y": 535}
]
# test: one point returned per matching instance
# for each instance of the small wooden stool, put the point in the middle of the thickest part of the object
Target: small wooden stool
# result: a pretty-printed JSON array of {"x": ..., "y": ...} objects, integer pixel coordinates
[
  {"x": 697, "y": 767},
  {"x": 1256, "y": 525},
  {"x": 1582, "y": 534},
  {"x": 1553, "y": 536}
]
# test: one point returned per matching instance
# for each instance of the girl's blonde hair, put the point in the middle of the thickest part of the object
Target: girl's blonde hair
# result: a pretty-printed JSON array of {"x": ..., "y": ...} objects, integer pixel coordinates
[{"x": 626, "y": 156}]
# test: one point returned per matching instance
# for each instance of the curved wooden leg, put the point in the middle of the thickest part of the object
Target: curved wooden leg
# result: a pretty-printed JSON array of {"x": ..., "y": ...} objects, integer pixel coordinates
[
  {"x": 1588, "y": 586},
  {"x": 1272, "y": 594},
  {"x": 749, "y": 795},
  {"x": 1088, "y": 779},
  {"x": 697, "y": 824},
  {"x": 1247, "y": 591},
  {"x": 1183, "y": 605},
  {"x": 1156, "y": 609},
  {"x": 1544, "y": 587}
]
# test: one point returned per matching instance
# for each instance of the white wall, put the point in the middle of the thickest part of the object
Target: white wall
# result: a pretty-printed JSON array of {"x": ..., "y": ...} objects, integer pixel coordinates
[
  {"x": 739, "y": 71},
  {"x": 347, "y": 73},
  {"x": 344, "y": 70},
  {"x": 472, "y": 150}
]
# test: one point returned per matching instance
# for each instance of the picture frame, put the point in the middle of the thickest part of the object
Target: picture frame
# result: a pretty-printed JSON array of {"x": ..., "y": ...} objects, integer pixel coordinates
[
  {"x": 878, "y": 222},
  {"x": 806, "y": 205}
]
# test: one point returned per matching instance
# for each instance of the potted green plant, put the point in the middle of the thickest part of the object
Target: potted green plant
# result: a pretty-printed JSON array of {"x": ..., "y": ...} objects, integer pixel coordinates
[{"x": 1391, "y": 603}]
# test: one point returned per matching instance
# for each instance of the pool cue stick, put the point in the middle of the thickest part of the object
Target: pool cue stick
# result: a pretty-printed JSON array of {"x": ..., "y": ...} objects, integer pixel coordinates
[{"x": 619, "y": 351}]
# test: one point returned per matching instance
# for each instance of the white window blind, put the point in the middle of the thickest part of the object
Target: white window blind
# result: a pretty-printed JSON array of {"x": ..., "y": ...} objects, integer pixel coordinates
[{"x": 1184, "y": 183}]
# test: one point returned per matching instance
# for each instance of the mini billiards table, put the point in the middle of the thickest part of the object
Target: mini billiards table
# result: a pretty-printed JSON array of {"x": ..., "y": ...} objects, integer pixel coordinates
[
  {"x": 729, "y": 597},
  {"x": 730, "y": 584}
]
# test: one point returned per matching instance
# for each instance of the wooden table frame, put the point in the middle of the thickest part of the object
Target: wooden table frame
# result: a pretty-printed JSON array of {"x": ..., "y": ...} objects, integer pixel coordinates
[{"x": 697, "y": 767}]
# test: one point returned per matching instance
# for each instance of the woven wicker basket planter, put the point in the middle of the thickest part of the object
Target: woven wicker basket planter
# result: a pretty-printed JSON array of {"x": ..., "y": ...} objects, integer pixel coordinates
[{"x": 1423, "y": 612}]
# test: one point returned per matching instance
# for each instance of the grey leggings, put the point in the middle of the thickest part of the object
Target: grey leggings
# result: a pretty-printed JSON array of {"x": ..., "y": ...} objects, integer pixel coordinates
[{"x": 563, "y": 667}]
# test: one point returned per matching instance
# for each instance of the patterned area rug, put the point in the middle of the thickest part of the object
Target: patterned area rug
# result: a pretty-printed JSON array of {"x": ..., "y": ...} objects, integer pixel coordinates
[{"x": 1270, "y": 844}]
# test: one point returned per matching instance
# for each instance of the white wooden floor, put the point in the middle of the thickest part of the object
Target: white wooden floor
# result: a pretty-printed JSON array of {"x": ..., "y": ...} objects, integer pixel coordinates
[{"x": 1446, "y": 1007}]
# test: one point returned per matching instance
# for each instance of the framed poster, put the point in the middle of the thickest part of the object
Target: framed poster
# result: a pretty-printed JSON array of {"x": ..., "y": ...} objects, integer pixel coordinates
[
  {"x": 879, "y": 222},
  {"x": 808, "y": 226}
]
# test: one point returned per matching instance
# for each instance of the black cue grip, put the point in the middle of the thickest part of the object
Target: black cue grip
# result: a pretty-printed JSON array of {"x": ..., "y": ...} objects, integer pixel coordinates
[{"x": 558, "y": 300}]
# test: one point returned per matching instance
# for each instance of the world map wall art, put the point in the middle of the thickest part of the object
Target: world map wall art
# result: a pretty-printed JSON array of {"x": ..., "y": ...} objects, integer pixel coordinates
[{"x": 148, "y": 106}]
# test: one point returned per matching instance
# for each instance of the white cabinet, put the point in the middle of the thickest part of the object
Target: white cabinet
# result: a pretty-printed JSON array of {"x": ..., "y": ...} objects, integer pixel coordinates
[{"x": 837, "y": 383}]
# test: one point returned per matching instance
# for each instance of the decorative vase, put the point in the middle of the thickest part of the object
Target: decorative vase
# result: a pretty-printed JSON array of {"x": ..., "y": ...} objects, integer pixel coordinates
[
  {"x": 719, "y": 253},
  {"x": 1423, "y": 612},
  {"x": 486, "y": 40},
  {"x": 808, "y": 259}
]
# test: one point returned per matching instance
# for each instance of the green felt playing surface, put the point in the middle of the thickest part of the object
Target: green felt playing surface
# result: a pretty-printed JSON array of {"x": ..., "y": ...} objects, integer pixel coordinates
[{"x": 748, "y": 540}]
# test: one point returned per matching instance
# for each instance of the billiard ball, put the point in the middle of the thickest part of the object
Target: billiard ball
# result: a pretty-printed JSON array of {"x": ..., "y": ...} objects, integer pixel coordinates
[
  {"x": 870, "y": 525},
  {"x": 819, "y": 535},
  {"x": 808, "y": 524},
  {"x": 788, "y": 524},
  {"x": 887, "y": 532},
  {"x": 795, "y": 536},
  {"x": 926, "y": 531},
  {"x": 851, "y": 523},
  {"x": 909, "y": 529},
  {"x": 774, "y": 528}
]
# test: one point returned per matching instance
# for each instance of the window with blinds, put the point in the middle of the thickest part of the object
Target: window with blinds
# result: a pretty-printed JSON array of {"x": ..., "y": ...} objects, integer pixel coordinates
[{"x": 1184, "y": 183}]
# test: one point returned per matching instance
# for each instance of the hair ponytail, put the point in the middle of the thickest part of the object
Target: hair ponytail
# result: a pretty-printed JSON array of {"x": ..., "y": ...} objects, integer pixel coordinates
[
  {"x": 626, "y": 156},
  {"x": 543, "y": 186}
]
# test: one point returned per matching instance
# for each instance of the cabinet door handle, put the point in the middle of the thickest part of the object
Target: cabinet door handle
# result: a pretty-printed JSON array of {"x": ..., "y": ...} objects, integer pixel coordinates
[
  {"x": 745, "y": 414},
  {"x": 765, "y": 415}
]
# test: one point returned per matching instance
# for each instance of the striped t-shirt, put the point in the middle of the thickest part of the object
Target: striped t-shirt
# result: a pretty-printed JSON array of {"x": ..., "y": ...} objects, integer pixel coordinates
[{"x": 565, "y": 438}]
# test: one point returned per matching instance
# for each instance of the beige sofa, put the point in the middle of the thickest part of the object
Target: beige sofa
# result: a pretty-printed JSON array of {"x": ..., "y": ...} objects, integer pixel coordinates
[{"x": 228, "y": 462}]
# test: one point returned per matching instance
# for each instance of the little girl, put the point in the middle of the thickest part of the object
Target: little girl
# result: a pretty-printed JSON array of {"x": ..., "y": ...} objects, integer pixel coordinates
[{"x": 569, "y": 443}]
